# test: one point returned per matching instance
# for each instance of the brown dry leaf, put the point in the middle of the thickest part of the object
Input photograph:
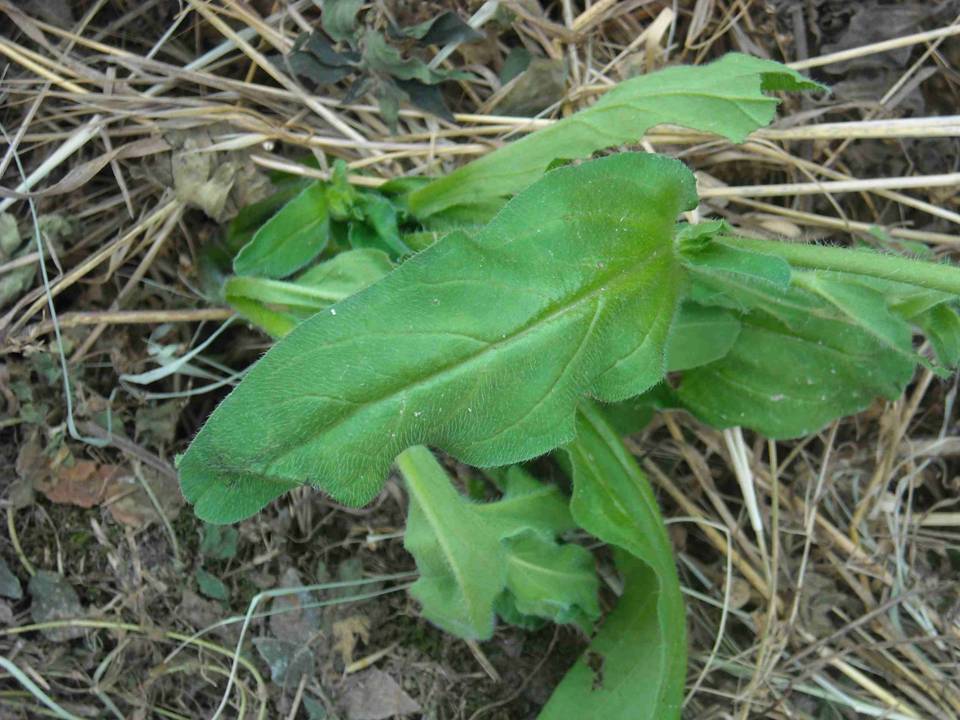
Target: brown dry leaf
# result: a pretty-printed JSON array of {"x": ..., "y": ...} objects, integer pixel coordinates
[
  {"x": 130, "y": 504},
  {"x": 374, "y": 695},
  {"x": 346, "y": 634},
  {"x": 218, "y": 183},
  {"x": 31, "y": 466},
  {"x": 84, "y": 483}
]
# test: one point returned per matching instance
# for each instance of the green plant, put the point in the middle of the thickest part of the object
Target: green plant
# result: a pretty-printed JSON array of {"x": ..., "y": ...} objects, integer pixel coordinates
[
  {"x": 553, "y": 321},
  {"x": 345, "y": 50}
]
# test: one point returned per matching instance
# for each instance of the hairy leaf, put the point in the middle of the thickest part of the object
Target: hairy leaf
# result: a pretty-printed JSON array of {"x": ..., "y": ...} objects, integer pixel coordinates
[
  {"x": 717, "y": 260},
  {"x": 635, "y": 666},
  {"x": 548, "y": 580},
  {"x": 862, "y": 305},
  {"x": 468, "y": 553},
  {"x": 478, "y": 345},
  {"x": 930, "y": 311},
  {"x": 798, "y": 363},
  {"x": 460, "y": 565},
  {"x": 725, "y": 97},
  {"x": 290, "y": 239}
]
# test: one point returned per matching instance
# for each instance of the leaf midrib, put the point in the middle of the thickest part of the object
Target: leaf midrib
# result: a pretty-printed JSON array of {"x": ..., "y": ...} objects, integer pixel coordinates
[{"x": 450, "y": 555}]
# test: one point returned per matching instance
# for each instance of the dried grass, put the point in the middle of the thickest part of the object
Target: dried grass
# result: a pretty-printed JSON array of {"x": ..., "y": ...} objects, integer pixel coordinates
[{"x": 820, "y": 574}]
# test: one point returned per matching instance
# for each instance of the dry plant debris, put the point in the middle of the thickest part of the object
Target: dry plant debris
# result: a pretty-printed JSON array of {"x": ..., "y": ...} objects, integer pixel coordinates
[{"x": 134, "y": 132}]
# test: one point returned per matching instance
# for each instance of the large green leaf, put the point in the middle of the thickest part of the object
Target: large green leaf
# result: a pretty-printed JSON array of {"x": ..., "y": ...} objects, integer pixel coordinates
[
  {"x": 479, "y": 345},
  {"x": 635, "y": 666},
  {"x": 290, "y": 239},
  {"x": 468, "y": 553},
  {"x": 800, "y": 360},
  {"x": 725, "y": 97}
]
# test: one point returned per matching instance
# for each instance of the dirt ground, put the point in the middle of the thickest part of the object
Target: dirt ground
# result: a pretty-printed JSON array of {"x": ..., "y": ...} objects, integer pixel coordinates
[{"x": 116, "y": 601}]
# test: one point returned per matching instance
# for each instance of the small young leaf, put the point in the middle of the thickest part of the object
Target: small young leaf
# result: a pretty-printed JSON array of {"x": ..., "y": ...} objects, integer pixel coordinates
[
  {"x": 211, "y": 586},
  {"x": 377, "y": 226},
  {"x": 290, "y": 239},
  {"x": 525, "y": 498},
  {"x": 347, "y": 273},
  {"x": 506, "y": 608},
  {"x": 478, "y": 345},
  {"x": 548, "y": 580},
  {"x": 461, "y": 573},
  {"x": 219, "y": 542},
  {"x": 317, "y": 45},
  {"x": 459, "y": 551},
  {"x": 517, "y": 60},
  {"x": 725, "y": 97},
  {"x": 388, "y": 100},
  {"x": 635, "y": 667},
  {"x": 252, "y": 217}
]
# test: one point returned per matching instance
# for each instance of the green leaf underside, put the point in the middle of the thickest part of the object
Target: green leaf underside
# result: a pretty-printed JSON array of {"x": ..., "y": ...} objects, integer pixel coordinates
[
  {"x": 800, "y": 360},
  {"x": 290, "y": 239},
  {"x": 931, "y": 311},
  {"x": 635, "y": 666},
  {"x": 479, "y": 345},
  {"x": 468, "y": 553},
  {"x": 725, "y": 97}
]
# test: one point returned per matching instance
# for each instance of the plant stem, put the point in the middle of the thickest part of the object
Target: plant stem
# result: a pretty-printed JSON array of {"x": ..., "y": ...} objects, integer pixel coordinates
[{"x": 933, "y": 276}]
